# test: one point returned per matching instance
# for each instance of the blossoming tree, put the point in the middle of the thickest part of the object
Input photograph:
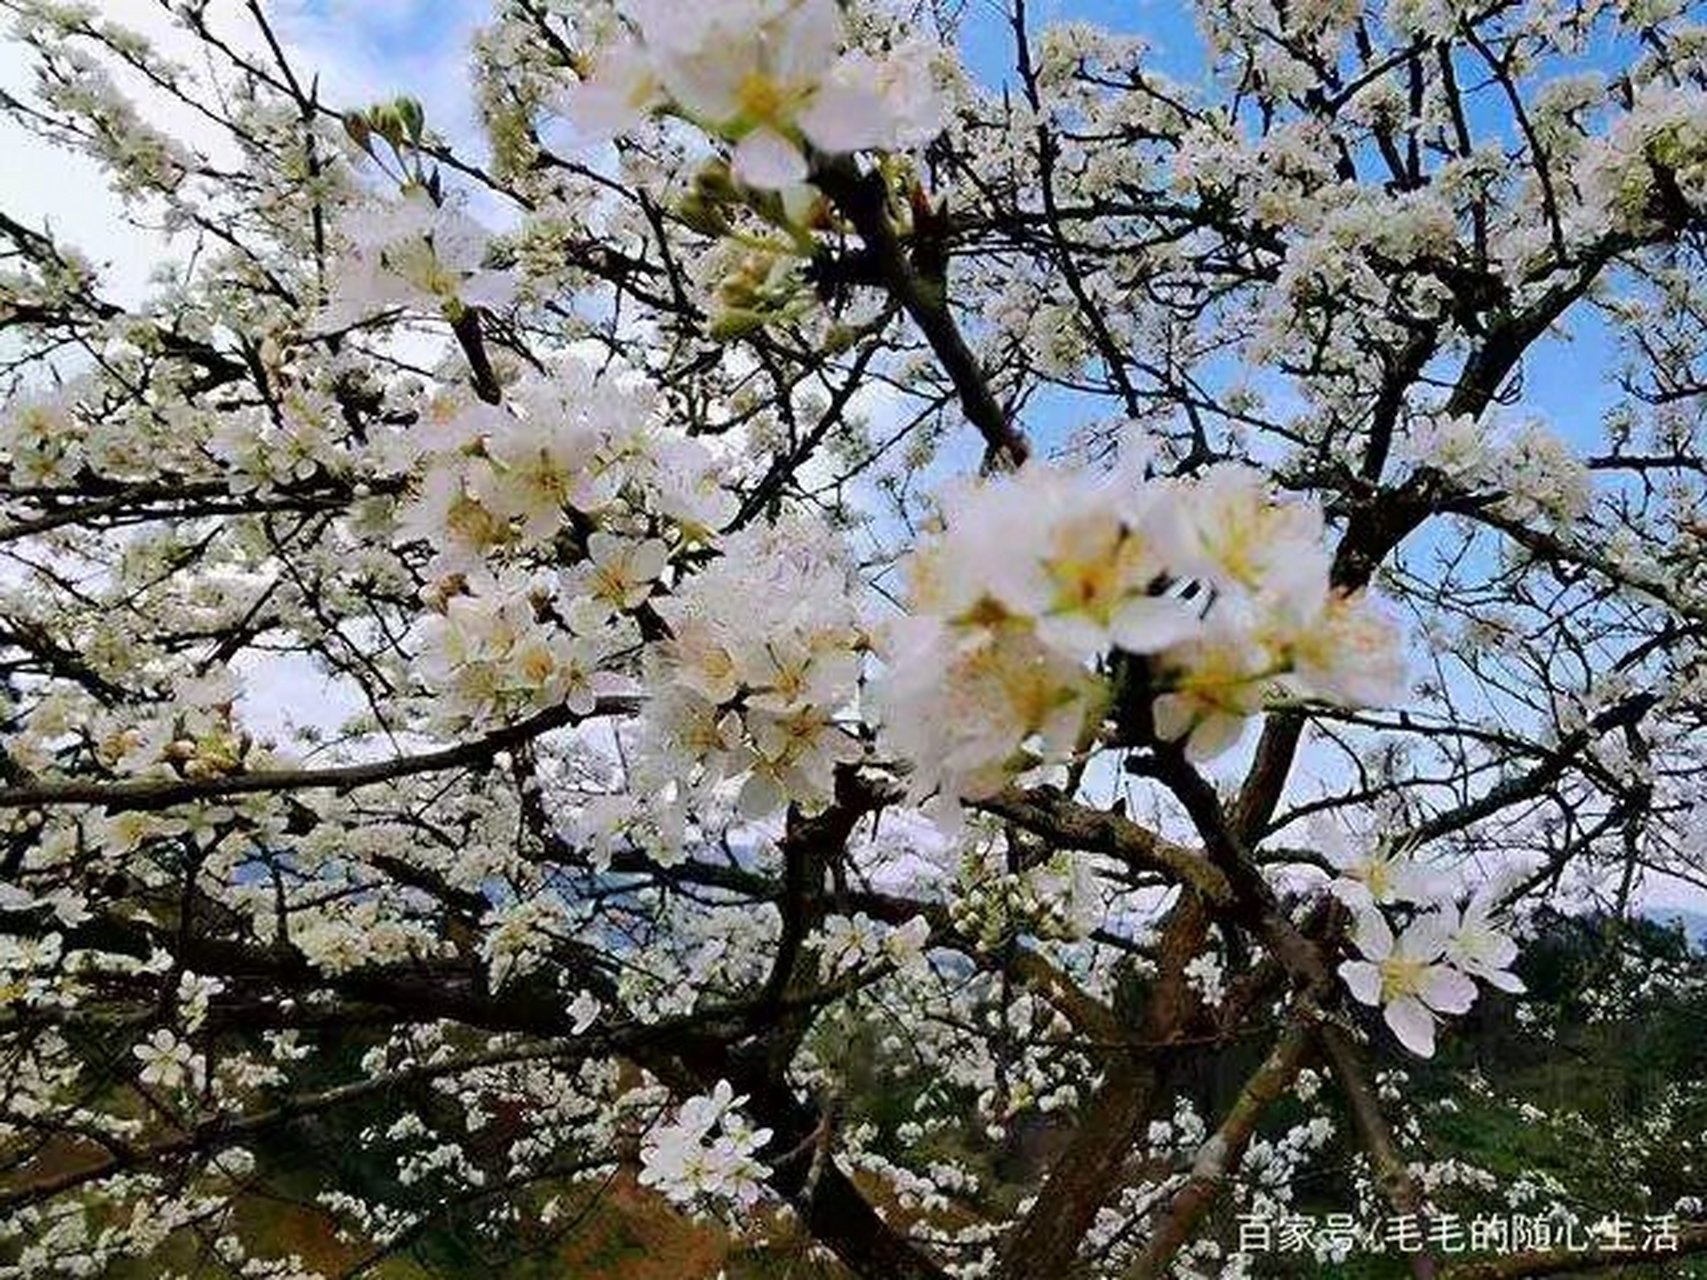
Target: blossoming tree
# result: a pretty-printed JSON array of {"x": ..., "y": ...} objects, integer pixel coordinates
[{"x": 534, "y": 652}]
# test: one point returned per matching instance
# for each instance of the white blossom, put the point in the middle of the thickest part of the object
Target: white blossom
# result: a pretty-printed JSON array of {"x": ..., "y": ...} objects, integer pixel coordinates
[
  {"x": 769, "y": 75},
  {"x": 706, "y": 1153},
  {"x": 1405, "y": 977},
  {"x": 167, "y": 1061}
]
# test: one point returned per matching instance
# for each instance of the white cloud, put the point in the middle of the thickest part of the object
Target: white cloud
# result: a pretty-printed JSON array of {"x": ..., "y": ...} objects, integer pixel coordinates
[
  {"x": 367, "y": 50},
  {"x": 362, "y": 51}
]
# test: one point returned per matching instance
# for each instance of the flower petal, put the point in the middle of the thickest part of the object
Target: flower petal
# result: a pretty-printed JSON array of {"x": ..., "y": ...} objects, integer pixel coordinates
[
  {"x": 761, "y": 795},
  {"x": 1363, "y": 979},
  {"x": 1149, "y": 624},
  {"x": 1446, "y": 990},
  {"x": 1372, "y": 935},
  {"x": 768, "y": 161},
  {"x": 1413, "y": 1024},
  {"x": 1504, "y": 979},
  {"x": 844, "y": 116},
  {"x": 1354, "y": 893},
  {"x": 1426, "y": 937}
]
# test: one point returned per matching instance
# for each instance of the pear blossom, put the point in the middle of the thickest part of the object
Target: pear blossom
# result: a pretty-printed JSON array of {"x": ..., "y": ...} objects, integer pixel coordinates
[
  {"x": 1345, "y": 650},
  {"x": 846, "y": 943},
  {"x": 1101, "y": 548},
  {"x": 701, "y": 653},
  {"x": 26, "y": 955},
  {"x": 1212, "y": 685},
  {"x": 1475, "y": 945},
  {"x": 905, "y": 945},
  {"x": 582, "y": 668},
  {"x": 616, "y": 95},
  {"x": 1036, "y": 575},
  {"x": 876, "y": 103},
  {"x": 794, "y": 758},
  {"x": 769, "y": 625},
  {"x": 708, "y": 1152},
  {"x": 445, "y": 513},
  {"x": 618, "y": 574},
  {"x": 1371, "y": 873},
  {"x": 415, "y": 254},
  {"x": 1542, "y": 476},
  {"x": 683, "y": 727},
  {"x": 1406, "y": 978},
  {"x": 770, "y": 75},
  {"x": 518, "y": 937},
  {"x": 688, "y": 488},
  {"x": 539, "y": 470},
  {"x": 960, "y": 706},
  {"x": 792, "y": 671},
  {"x": 167, "y": 1061},
  {"x": 654, "y": 821},
  {"x": 491, "y": 656},
  {"x": 1241, "y": 540},
  {"x": 1458, "y": 447}
]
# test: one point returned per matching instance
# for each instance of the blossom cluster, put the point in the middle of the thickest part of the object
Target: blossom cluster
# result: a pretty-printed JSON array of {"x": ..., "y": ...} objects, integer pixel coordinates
[
  {"x": 1536, "y": 474},
  {"x": 772, "y": 77},
  {"x": 747, "y": 644},
  {"x": 1058, "y": 898},
  {"x": 416, "y": 254},
  {"x": 848, "y": 944},
  {"x": 1429, "y": 968},
  {"x": 763, "y": 657},
  {"x": 1014, "y": 606},
  {"x": 569, "y": 446},
  {"x": 571, "y": 456},
  {"x": 706, "y": 1153}
]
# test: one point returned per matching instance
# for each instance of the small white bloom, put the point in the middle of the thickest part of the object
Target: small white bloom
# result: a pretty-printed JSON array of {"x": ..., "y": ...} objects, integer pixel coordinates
[
  {"x": 1372, "y": 876},
  {"x": 706, "y": 1152},
  {"x": 618, "y": 574},
  {"x": 1404, "y": 977},
  {"x": 767, "y": 75},
  {"x": 584, "y": 1011},
  {"x": 1476, "y": 946},
  {"x": 414, "y": 254},
  {"x": 1213, "y": 684},
  {"x": 1241, "y": 540},
  {"x": 167, "y": 1061}
]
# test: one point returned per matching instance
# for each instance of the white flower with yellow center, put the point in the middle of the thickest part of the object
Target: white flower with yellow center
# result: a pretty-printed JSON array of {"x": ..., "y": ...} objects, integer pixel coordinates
[
  {"x": 960, "y": 703},
  {"x": 1105, "y": 552},
  {"x": 1369, "y": 876},
  {"x": 706, "y": 1152},
  {"x": 796, "y": 759},
  {"x": 1346, "y": 651},
  {"x": 1476, "y": 946},
  {"x": 1240, "y": 540},
  {"x": 1213, "y": 684},
  {"x": 1405, "y": 978},
  {"x": 769, "y": 75},
  {"x": 618, "y": 574},
  {"x": 167, "y": 1061},
  {"x": 415, "y": 255},
  {"x": 540, "y": 470}
]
